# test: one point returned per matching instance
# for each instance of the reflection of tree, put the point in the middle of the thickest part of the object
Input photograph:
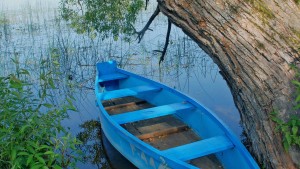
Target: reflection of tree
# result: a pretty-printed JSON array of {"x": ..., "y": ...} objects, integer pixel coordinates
[{"x": 91, "y": 144}]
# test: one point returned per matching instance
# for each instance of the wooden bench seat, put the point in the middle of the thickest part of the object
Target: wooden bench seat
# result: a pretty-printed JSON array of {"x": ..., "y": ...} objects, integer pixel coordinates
[
  {"x": 127, "y": 92},
  {"x": 200, "y": 148},
  {"x": 151, "y": 112}
]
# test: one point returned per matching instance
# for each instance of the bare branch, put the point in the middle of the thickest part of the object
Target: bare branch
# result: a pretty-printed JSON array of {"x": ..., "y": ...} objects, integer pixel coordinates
[
  {"x": 163, "y": 53},
  {"x": 146, "y": 27},
  {"x": 147, "y": 2}
]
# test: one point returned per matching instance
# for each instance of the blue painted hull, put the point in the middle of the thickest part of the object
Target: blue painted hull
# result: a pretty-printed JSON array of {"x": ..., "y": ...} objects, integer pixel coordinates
[{"x": 217, "y": 139}]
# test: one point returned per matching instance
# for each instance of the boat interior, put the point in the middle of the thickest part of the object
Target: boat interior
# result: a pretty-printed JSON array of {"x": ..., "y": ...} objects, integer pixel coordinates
[
  {"x": 163, "y": 133},
  {"x": 167, "y": 120}
]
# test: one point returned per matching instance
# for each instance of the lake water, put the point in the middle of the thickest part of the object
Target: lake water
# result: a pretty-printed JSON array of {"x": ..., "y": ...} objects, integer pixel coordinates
[{"x": 31, "y": 31}]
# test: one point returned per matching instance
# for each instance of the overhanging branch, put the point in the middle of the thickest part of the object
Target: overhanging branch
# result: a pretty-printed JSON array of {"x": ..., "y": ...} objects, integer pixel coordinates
[
  {"x": 147, "y": 2},
  {"x": 146, "y": 27},
  {"x": 163, "y": 53}
]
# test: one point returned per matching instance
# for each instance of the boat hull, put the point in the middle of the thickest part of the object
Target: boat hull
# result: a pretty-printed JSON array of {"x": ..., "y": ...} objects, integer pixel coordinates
[{"x": 232, "y": 154}]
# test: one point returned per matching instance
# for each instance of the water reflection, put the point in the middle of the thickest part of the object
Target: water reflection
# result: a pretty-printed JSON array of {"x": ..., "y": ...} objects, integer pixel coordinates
[
  {"x": 34, "y": 36},
  {"x": 92, "y": 146}
]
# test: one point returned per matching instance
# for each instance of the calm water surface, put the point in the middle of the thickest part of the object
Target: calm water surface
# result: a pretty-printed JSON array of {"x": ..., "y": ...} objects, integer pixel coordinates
[{"x": 31, "y": 30}]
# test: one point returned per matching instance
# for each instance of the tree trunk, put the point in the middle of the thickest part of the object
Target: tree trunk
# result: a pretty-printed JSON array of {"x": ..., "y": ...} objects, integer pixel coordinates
[{"x": 253, "y": 42}]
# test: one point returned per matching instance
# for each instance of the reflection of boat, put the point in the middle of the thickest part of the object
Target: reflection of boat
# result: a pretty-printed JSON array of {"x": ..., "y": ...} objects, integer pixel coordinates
[{"x": 155, "y": 126}]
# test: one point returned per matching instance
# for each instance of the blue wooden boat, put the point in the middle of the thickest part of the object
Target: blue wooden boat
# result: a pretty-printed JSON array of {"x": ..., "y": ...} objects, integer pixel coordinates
[{"x": 155, "y": 126}]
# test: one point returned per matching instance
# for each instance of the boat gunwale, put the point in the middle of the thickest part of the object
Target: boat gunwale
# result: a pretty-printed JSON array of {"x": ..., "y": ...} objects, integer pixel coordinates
[{"x": 137, "y": 142}]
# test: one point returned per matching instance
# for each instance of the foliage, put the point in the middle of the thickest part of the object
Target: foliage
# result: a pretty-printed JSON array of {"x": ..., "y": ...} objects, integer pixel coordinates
[
  {"x": 31, "y": 134},
  {"x": 104, "y": 17},
  {"x": 290, "y": 130}
]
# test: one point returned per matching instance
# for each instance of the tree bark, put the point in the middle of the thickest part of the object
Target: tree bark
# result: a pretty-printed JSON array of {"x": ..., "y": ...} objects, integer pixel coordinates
[{"x": 253, "y": 42}]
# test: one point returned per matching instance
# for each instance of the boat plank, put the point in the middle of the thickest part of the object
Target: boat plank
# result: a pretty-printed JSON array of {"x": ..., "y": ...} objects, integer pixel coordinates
[
  {"x": 163, "y": 132},
  {"x": 209, "y": 161},
  {"x": 199, "y": 148},
  {"x": 151, "y": 112},
  {"x": 122, "y": 100},
  {"x": 133, "y": 91},
  {"x": 173, "y": 140},
  {"x": 128, "y": 107},
  {"x": 118, "y": 106}
]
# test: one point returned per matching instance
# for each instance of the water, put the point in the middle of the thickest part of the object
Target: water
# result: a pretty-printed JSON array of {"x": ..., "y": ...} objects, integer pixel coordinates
[{"x": 32, "y": 31}]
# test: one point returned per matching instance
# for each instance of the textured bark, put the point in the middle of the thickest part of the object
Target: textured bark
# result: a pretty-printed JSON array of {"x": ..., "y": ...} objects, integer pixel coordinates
[{"x": 253, "y": 42}]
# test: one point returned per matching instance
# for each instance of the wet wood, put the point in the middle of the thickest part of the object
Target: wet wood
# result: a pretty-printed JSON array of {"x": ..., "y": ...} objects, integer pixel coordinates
[
  {"x": 162, "y": 132},
  {"x": 118, "y": 101},
  {"x": 209, "y": 161},
  {"x": 109, "y": 108},
  {"x": 125, "y": 104}
]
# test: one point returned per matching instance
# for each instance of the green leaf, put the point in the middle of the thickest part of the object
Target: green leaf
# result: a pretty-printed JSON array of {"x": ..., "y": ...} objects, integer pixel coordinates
[
  {"x": 24, "y": 71},
  {"x": 48, "y": 105},
  {"x": 288, "y": 138},
  {"x": 57, "y": 166},
  {"x": 37, "y": 166},
  {"x": 49, "y": 152},
  {"x": 43, "y": 147},
  {"x": 23, "y": 153},
  {"x": 30, "y": 149},
  {"x": 51, "y": 83},
  {"x": 41, "y": 160},
  {"x": 286, "y": 145},
  {"x": 13, "y": 154},
  {"x": 24, "y": 128},
  {"x": 55, "y": 62},
  {"x": 294, "y": 130},
  {"x": 29, "y": 160},
  {"x": 295, "y": 82}
]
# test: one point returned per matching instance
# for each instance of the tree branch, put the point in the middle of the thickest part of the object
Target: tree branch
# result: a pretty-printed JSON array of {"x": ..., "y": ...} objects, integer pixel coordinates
[
  {"x": 147, "y": 2},
  {"x": 163, "y": 53},
  {"x": 146, "y": 27}
]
